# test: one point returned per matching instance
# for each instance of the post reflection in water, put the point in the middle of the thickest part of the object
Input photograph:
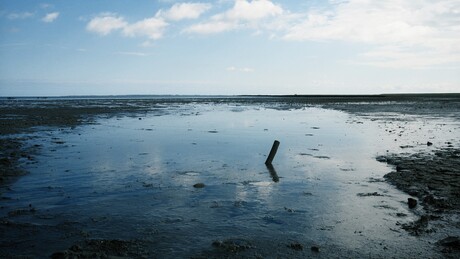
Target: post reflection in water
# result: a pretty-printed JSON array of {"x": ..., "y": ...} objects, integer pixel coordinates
[{"x": 273, "y": 173}]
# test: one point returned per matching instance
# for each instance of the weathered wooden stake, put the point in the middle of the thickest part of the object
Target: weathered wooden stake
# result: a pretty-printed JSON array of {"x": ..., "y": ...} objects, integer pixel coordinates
[{"x": 272, "y": 152}]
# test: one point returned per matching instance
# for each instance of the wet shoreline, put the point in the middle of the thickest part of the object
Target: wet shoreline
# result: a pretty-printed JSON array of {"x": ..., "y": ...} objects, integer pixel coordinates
[
  {"x": 69, "y": 115},
  {"x": 433, "y": 182}
]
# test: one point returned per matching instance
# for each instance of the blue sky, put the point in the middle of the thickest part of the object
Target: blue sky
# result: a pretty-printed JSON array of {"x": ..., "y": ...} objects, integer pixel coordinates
[{"x": 228, "y": 47}]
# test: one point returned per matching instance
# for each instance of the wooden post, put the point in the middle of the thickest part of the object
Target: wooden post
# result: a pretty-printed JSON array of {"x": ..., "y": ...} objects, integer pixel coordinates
[{"x": 272, "y": 152}]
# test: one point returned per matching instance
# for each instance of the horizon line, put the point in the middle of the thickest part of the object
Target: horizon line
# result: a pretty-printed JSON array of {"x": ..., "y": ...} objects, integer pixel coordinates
[{"x": 234, "y": 95}]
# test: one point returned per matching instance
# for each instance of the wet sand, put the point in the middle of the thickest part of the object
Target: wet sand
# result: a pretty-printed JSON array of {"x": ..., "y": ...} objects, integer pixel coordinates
[{"x": 430, "y": 176}]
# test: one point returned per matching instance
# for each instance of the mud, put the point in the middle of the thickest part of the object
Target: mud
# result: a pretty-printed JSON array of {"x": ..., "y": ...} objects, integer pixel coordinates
[
  {"x": 14, "y": 154},
  {"x": 434, "y": 179},
  {"x": 100, "y": 248}
]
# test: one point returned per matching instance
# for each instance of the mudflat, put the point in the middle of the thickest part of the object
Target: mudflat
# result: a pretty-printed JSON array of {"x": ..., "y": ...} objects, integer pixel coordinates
[{"x": 142, "y": 199}]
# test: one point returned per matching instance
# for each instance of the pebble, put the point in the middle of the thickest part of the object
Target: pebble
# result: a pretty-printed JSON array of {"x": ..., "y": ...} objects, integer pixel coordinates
[
  {"x": 451, "y": 241},
  {"x": 412, "y": 203},
  {"x": 199, "y": 185},
  {"x": 296, "y": 246}
]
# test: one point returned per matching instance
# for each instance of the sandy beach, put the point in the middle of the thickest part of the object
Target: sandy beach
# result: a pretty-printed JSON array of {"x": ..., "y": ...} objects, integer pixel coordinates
[{"x": 409, "y": 144}]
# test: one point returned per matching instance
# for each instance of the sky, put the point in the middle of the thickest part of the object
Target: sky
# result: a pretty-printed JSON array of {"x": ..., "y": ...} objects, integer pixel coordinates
[{"x": 229, "y": 47}]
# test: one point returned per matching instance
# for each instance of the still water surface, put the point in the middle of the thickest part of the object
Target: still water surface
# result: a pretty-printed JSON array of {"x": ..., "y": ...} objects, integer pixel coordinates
[{"x": 132, "y": 177}]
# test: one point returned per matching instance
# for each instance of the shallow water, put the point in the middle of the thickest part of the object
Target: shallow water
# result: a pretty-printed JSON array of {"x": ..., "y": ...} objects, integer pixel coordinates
[{"x": 132, "y": 177}]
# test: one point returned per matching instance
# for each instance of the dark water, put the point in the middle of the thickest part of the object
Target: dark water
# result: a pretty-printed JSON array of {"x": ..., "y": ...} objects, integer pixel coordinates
[{"x": 132, "y": 178}]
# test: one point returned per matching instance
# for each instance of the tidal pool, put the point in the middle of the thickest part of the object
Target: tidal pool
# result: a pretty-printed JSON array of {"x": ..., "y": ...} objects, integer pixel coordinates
[{"x": 133, "y": 177}]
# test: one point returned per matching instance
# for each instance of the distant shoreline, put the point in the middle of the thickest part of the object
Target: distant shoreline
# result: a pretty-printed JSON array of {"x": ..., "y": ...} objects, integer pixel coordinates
[{"x": 320, "y": 96}]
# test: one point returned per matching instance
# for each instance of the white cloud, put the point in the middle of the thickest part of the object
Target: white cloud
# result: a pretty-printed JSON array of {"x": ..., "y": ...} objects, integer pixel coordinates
[
  {"x": 362, "y": 21},
  {"x": 181, "y": 11},
  {"x": 106, "y": 23},
  {"x": 147, "y": 44},
  {"x": 211, "y": 27},
  {"x": 247, "y": 69},
  {"x": 242, "y": 69},
  {"x": 243, "y": 14},
  {"x": 421, "y": 87},
  {"x": 137, "y": 54},
  {"x": 254, "y": 10},
  {"x": 395, "y": 33},
  {"x": 50, "y": 17},
  {"x": 400, "y": 33},
  {"x": 151, "y": 27},
  {"x": 19, "y": 16},
  {"x": 46, "y": 6}
]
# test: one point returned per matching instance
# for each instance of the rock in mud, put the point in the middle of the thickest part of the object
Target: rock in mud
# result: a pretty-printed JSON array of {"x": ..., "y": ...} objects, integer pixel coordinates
[
  {"x": 289, "y": 210},
  {"x": 199, "y": 185},
  {"x": 412, "y": 203},
  {"x": 451, "y": 242},
  {"x": 296, "y": 246},
  {"x": 315, "y": 249},
  {"x": 232, "y": 245},
  {"x": 369, "y": 194}
]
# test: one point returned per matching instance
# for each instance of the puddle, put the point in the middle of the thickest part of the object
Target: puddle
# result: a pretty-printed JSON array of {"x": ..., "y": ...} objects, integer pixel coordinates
[{"x": 133, "y": 178}]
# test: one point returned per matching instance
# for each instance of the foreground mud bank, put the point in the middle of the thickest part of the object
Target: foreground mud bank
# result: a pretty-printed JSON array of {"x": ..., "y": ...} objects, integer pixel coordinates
[{"x": 433, "y": 179}]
